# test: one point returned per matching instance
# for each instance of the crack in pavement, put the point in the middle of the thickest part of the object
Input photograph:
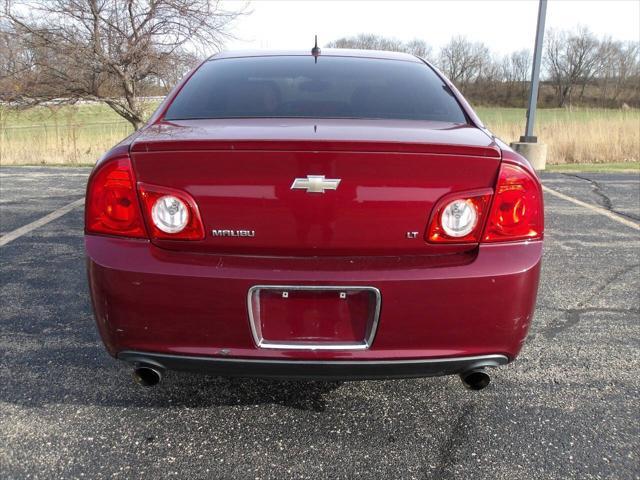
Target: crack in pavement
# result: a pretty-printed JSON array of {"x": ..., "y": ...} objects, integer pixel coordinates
[
  {"x": 453, "y": 443},
  {"x": 605, "y": 202},
  {"x": 572, "y": 315}
]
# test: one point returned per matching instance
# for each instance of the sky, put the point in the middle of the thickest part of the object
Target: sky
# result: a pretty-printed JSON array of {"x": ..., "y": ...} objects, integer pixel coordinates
[{"x": 504, "y": 25}]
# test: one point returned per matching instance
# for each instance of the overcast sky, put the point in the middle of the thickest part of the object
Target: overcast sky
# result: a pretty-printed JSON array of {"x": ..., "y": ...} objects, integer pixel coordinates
[{"x": 504, "y": 25}]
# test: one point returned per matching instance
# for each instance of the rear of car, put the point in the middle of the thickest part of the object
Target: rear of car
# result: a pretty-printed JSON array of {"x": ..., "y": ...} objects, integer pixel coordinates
[{"x": 287, "y": 215}]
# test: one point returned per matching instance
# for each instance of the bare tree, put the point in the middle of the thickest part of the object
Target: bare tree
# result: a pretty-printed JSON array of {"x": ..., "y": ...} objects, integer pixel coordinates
[
  {"x": 14, "y": 59},
  {"x": 628, "y": 70},
  {"x": 521, "y": 62},
  {"x": 369, "y": 41},
  {"x": 515, "y": 74},
  {"x": 571, "y": 59},
  {"x": 419, "y": 48},
  {"x": 109, "y": 50},
  {"x": 462, "y": 60},
  {"x": 620, "y": 66}
]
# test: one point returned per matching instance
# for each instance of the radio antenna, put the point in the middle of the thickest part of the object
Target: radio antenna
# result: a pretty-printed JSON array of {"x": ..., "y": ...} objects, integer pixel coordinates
[{"x": 315, "y": 51}]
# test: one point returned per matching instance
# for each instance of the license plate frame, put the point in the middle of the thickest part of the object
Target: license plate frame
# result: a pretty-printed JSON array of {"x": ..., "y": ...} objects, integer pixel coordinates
[{"x": 253, "y": 308}]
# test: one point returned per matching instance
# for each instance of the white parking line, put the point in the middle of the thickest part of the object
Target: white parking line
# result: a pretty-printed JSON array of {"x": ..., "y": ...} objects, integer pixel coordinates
[
  {"x": 42, "y": 175},
  {"x": 19, "y": 232},
  {"x": 593, "y": 208}
]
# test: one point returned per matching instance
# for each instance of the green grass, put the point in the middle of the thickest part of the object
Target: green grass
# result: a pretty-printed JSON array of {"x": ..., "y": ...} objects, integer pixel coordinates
[
  {"x": 497, "y": 115},
  {"x": 99, "y": 113},
  {"x": 50, "y": 116},
  {"x": 81, "y": 133},
  {"x": 82, "y": 114},
  {"x": 620, "y": 167}
]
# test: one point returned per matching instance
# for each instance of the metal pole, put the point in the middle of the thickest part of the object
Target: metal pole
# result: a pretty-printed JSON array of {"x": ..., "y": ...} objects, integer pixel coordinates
[{"x": 535, "y": 75}]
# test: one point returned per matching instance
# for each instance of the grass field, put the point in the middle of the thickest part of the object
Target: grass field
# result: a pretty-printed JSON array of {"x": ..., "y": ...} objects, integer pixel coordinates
[
  {"x": 573, "y": 136},
  {"x": 80, "y": 134},
  {"x": 73, "y": 135}
]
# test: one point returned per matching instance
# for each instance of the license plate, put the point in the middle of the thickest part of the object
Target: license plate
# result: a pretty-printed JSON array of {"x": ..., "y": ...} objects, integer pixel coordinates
[{"x": 313, "y": 317}]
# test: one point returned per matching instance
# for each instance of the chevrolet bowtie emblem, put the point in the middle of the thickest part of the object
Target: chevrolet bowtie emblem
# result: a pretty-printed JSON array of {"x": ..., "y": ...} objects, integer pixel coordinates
[{"x": 315, "y": 184}]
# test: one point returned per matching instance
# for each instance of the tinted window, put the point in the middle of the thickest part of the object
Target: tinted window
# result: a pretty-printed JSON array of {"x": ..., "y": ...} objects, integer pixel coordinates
[{"x": 334, "y": 87}]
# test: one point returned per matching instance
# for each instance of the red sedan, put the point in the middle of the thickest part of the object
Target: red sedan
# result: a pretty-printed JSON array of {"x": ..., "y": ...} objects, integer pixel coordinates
[{"x": 342, "y": 215}]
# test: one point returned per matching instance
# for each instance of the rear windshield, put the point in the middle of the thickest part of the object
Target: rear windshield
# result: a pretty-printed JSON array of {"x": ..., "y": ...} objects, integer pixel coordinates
[{"x": 297, "y": 86}]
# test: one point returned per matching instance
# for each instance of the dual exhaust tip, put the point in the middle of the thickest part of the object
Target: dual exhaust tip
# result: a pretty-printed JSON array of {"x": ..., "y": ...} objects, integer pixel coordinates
[
  {"x": 475, "y": 379},
  {"x": 149, "y": 376}
]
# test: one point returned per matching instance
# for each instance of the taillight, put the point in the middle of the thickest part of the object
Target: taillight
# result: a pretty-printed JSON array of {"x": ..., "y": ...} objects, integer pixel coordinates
[
  {"x": 459, "y": 218},
  {"x": 171, "y": 214},
  {"x": 112, "y": 206},
  {"x": 516, "y": 212}
]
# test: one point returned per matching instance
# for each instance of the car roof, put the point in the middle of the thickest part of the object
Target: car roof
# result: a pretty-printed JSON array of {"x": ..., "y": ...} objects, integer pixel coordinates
[{"x": 325, "y": 52}]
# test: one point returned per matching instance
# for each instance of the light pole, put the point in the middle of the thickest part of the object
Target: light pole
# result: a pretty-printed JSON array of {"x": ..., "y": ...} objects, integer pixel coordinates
[
  {"x": 528, "y": 145},
  {"x": 535, "y": 75}
]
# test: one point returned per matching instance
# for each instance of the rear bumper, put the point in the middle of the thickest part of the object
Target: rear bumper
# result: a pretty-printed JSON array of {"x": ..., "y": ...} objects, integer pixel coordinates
[
  {"x": 304, "y": 369},
  {"x": 156, "y": 301}
]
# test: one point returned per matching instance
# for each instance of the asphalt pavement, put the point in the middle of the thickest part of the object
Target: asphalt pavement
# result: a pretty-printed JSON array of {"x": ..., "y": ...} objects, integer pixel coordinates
[{"x": 568, "y": 408}]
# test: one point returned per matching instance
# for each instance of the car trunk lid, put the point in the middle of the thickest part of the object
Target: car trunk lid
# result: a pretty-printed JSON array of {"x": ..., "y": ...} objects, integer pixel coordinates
[{"x": 387, "y": 177}]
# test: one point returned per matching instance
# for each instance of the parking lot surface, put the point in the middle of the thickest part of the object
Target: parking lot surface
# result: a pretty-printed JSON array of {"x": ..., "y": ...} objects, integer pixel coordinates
[{"x": 567, "y": 408}]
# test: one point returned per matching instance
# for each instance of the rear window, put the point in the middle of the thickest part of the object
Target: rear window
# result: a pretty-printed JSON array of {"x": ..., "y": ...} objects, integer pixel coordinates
[{"x": 297, "y": 86}]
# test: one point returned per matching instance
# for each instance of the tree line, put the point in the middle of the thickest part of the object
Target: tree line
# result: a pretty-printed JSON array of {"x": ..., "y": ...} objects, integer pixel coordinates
[
  {"x": 578, "y": 68},
  {"x": 117, "y": 52}
]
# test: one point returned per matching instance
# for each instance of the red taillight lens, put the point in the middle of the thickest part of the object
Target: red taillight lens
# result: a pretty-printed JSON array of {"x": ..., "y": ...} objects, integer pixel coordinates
[
  {"x": 160, "y": 203},
  {"x": 459, "y": 218},
  {"x": 112, "y": 206},
  {"x": 516, "y": 212}
]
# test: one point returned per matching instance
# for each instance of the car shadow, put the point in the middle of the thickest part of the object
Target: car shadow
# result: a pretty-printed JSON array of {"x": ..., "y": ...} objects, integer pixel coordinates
[{"x": 86, "y": 375}]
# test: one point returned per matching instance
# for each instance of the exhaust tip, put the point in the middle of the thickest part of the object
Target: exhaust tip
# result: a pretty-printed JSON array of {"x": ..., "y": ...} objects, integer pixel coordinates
[
  {"x": 147, "y": 376},
  {"x": 475, "y": 379}
]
